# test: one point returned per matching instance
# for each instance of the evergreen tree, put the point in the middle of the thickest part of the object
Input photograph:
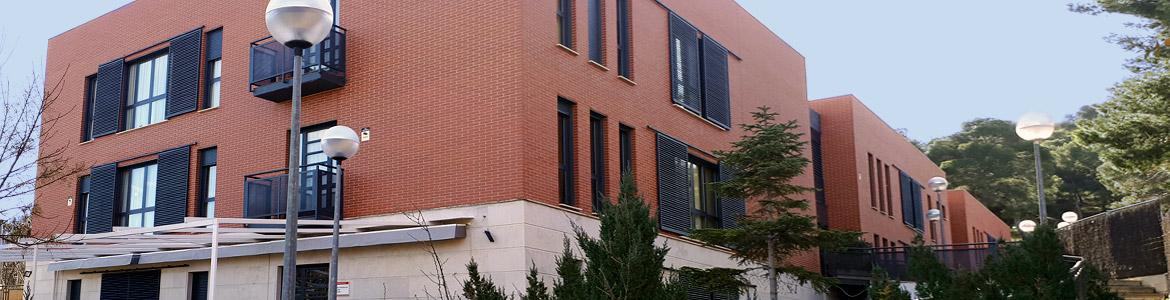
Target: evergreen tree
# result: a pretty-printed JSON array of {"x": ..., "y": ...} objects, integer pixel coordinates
[
  {"x": 536, "y": 289},
  {"x": 623, "y": 263},
  {"x": 478, "y": 287},
  {"x": 571, "y": 286},
  {"x": 766, "y": 160},
  {"x": 934, "y": 280},
  {"x": 882, "y": 287}
]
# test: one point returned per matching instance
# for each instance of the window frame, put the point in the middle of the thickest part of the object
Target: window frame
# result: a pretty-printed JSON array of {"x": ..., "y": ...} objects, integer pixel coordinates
[
  {"x": 565, "y": 152},
  {"x": 705, "y": 206},
  {"x": 625, "y": 150},
  {"x": 87, "y": 113},
  {"x": 131, "y": 104},
  {"x": 125, "y": 193},
  {"x": 73, "y": 289},
  {"x": 302, "y": 276},
  {"x": 597, "y": 31},
  {"x": 565, "y": 23},
  {"x": 81, "y": 205},
  {"x": 208, "y": 179},
  {"x": 597, "y": 165},
  {"x": 623, "y": 39},
  {"x": 213, "y": 86}
]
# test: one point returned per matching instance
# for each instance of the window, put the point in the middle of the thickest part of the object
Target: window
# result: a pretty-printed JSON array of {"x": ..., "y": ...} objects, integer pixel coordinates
[
  {"x": 597, "y": 159},
  {"x": 312, "y": 282},
  {"x": 87, "y": 114},
  {"x": 198, "y": 286},
  {"x": 565, "y": 22},
  {"x": 131, "y": 285},
  {"x": 139, "y": 185},
  {"x": 207, "y": 181},
  {"x": 626, "y": 150},
  {"x": 147, "y": 90},
  {"x": 623, "y": 39},
  {"x": 699, "y": 73},
  {"x": 881, "y": 188},
  {"x": 214, "y": 68},
  {"x": 73, "y": 289},
  {"x": 81, "y": 204},
  {"x": 596, "y": 31},
  {"x": 873, "y": 194},
  {"x": 705, "y": 202},
  {"x": 565, "y": 150},
  {"x": 889, "y": 191},
  {"x": 911, "y": 193}
]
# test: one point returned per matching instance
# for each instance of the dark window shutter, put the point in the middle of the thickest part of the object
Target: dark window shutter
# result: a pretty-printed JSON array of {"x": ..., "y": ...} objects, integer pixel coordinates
[
  {"x": 103, "y": 189},
  {"x": 215, "y": 44},
  {"x": 907, "y": 200},
  {"x": 674, "y": 186},
  {"x": 107, "y": 104},
  {"x": 716, "y": 92},
  {"x": 685, "y": 55},
  {"x": 199, "y": 286},
  {"x": 143, "y": 285},
  {"x": 171, "y": 196},
  {"x": 730, "y": 209},
  {"x": 183, "y": 75}
]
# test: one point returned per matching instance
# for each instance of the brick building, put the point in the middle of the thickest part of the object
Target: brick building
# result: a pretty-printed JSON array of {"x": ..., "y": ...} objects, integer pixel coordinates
[
  {"x": 874, "y": 177},
  {"x": 973, "y": 222},
  {"x": 513, "y": 116}
]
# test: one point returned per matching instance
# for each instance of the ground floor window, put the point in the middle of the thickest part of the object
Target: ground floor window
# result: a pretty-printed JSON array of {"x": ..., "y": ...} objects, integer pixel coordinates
[{"x": 312, "y": 282}]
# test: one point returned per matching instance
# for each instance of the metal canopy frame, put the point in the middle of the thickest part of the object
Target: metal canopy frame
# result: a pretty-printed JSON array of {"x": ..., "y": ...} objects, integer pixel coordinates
[{"x": 204, "y": 238}]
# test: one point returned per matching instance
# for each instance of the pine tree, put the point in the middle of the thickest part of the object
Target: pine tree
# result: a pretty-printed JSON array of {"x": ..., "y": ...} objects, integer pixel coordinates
[
  {"x": 536, "y": 289},
  {"x": 881, "y": 287},
  {"x": 623, "y": 263},
  {"x": 571, "y": 285},
  {"x": 766, "y": 160},
  {"x": 478, "y": 287}
]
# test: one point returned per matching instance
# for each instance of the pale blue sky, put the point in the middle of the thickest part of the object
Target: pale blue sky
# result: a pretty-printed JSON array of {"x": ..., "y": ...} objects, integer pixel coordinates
[{"x": 925, "y": 66}]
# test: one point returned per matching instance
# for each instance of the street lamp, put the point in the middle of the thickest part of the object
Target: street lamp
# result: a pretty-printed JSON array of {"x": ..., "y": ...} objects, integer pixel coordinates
[
  {"x": 1027, "y": 226},
  {"x": 298, "y": 24},
  {"x": 1070, "y": 217},
  {"x": 1036, "y": 127},
  {"x": 339, "y": 143},
  {"x": 938, "y": 185}
]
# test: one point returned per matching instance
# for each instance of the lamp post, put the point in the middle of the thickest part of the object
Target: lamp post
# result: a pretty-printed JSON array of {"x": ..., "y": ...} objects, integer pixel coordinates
[
  {"x": 1027, "y": 226},
  {"x": 339, "y": 143},
  {"x": 298, "y": 24},
  {"x": 938, "y": 185},
  {"x": 1035, "y": 127},
  {"x": 1067, "y": 218}
]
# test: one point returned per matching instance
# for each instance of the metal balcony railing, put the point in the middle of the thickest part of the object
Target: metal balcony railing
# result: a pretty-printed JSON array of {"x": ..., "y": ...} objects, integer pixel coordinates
[
  {"x": 265, "y": 194},
  {"x": 270, "y": 75},
  {"x": 859, "y": 262}
]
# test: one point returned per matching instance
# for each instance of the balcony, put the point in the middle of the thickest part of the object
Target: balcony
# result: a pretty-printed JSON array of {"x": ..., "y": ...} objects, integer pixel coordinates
[
  {"x": 272, "y": 67},
  {"x": 855, "y": 265},
  {"x": 265, "y": 193}
]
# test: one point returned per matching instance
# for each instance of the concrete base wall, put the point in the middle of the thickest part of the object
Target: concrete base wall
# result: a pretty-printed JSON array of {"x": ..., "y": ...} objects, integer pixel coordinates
[{"x": 525, "y": 233}]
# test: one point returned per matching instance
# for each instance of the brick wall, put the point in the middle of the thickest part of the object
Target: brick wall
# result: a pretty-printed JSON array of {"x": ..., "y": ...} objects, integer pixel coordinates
[{"x": 971, "y": 217}]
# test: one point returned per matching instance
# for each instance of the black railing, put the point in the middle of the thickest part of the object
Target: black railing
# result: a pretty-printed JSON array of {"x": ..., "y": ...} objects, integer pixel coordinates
[
  {"x": 859, "y": 262},
  {"x": 272, "y": 66},
  {"x": 265, "y": 194}
]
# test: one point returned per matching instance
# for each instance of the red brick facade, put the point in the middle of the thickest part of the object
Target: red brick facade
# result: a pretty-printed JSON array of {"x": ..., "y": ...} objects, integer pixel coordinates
[
  {"x": 973, "y": 222},
  {"x": 460, "y": 98},
  {"x": 854, "y": 137}
]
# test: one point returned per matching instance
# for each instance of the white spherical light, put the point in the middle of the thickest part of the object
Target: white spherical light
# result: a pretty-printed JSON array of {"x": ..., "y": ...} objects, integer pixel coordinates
[
  {"x": 299, "y": 23},
  {"x": 934, "y": 214},
  {"x": 1062, "y": 225},
  {"x": 1035, "y": 126},
  {"x": 938, "y": 184},
  {"x": 1027, "y": 226},
  {"x": 339, "y": 142},
  {"x": 1069, "y": 216}
]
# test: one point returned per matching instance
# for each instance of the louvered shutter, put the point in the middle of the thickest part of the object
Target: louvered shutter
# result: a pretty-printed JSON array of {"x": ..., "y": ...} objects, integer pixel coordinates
[
  {"x": 716, "y": 92},
  {"x": 103, "y": 194},
  {"x": 186, "y": 58},
  {"x": 674, "y": 186},
  {"x": 199, "y": 286},
  {"x": 143, "y": 285},
  {"x": 684, "y": 64},
  {"x": 108, "y": 97},
  {"x": 730, "y": 209},
  {"x": 171, "y": 196},
  {"x": 907, "y": 199}
]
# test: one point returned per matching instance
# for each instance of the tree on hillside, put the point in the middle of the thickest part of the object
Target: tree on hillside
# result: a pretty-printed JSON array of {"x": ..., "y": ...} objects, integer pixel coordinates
[
  {"x": 766, "y": 160},
  {"x": 1151, "y": 41},
  {"x": 622, "y": 263},
  {"x": 987, "y": 158},
  {"x": 1079, "y": 186}
]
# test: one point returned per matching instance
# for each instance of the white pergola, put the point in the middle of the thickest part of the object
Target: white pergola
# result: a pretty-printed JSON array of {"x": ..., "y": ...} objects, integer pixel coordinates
[{"x": 215, "y": 238}]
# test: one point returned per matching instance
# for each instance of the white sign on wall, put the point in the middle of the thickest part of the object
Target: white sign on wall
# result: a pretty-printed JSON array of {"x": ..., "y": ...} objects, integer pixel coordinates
[{"x": 343, "y": 288}]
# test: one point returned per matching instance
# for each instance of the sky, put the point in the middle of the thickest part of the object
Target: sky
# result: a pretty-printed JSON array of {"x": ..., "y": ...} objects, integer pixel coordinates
[
  {"x": 927, "y": 66},
  {"x": 923, "y": 66}
]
